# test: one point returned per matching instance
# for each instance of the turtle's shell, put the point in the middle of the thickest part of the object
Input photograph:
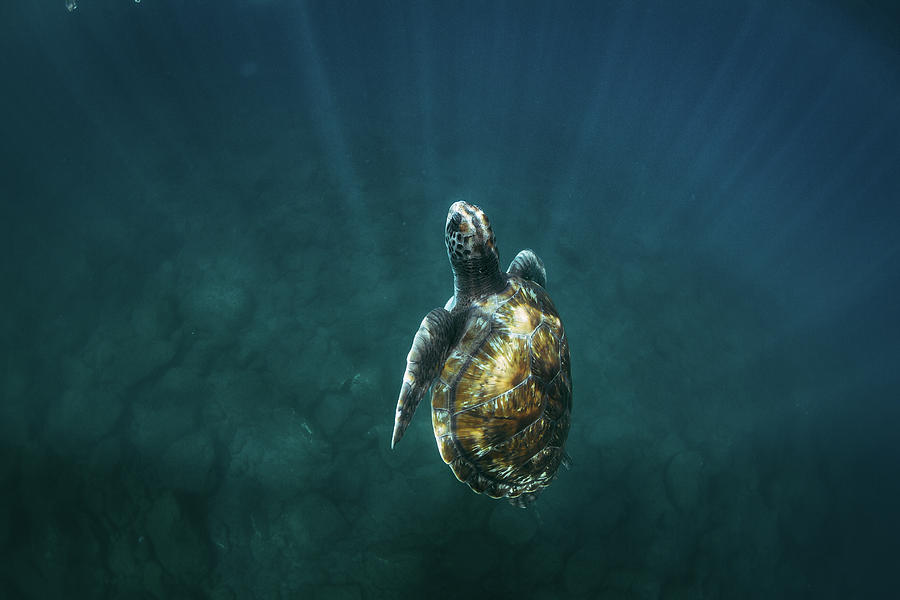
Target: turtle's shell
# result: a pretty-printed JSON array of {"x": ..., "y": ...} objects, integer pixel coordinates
[{"x": 501, "y": 406}]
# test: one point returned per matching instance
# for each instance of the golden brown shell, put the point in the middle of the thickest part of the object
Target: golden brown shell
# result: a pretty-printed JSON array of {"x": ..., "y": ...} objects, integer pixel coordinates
[{"x": 501, "y": 406}]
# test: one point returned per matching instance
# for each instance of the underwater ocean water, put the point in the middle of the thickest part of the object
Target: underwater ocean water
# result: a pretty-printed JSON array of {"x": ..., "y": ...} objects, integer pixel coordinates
[{"x": 222, "y": 223}]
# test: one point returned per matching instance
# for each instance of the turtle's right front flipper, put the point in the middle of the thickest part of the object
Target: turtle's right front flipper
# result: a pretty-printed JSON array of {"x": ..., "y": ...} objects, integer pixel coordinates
[
  {"x": 423, "y": 364},
  {"x": 528, "y": 265}
]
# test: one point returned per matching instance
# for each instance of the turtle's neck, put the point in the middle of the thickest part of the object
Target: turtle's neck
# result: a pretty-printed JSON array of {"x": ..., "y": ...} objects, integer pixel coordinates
[{"x": 479, "y": 276}]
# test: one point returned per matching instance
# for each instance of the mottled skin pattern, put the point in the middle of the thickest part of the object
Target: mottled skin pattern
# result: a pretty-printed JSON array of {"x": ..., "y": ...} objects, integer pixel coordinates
[{"x": 497, "y": 360}]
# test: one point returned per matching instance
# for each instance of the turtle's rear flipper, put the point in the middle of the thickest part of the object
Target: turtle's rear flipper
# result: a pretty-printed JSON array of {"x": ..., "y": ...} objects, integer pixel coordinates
[
  {"x": 528, "y": 266},
  {"x": 430, "y": 347},
  {"x": 525, "y": 500}
]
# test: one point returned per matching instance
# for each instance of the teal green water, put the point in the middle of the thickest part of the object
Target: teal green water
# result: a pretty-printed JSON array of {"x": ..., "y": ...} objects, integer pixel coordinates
[{"x": 223, "y": 222}]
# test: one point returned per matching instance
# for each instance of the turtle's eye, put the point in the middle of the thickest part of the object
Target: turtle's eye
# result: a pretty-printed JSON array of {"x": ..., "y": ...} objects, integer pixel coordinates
[{"x": 453, "y": 223}]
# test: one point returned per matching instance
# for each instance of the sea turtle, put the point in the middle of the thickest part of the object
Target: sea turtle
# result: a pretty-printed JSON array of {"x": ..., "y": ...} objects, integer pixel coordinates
[{"x": 498, "y": 360}]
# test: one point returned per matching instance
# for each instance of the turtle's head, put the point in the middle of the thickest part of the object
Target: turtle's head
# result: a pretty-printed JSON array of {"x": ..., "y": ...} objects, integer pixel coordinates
[
  {"x": 473, "y": 253},
  {"x": 469, "y": 235}
]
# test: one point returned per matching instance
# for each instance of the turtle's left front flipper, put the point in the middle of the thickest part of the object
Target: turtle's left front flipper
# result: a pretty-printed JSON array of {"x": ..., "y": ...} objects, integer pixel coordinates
[{"x": 423, "y": 364}]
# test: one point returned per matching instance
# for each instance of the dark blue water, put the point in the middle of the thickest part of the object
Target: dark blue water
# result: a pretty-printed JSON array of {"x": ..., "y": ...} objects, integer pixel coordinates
[{"x": 222, "y": 223}]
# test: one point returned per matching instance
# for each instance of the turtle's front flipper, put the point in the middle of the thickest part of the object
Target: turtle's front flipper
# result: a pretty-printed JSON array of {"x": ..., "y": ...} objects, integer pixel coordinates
[
  {"x": 426, "y": 358},
  {"x": 528, "y": 266}
]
